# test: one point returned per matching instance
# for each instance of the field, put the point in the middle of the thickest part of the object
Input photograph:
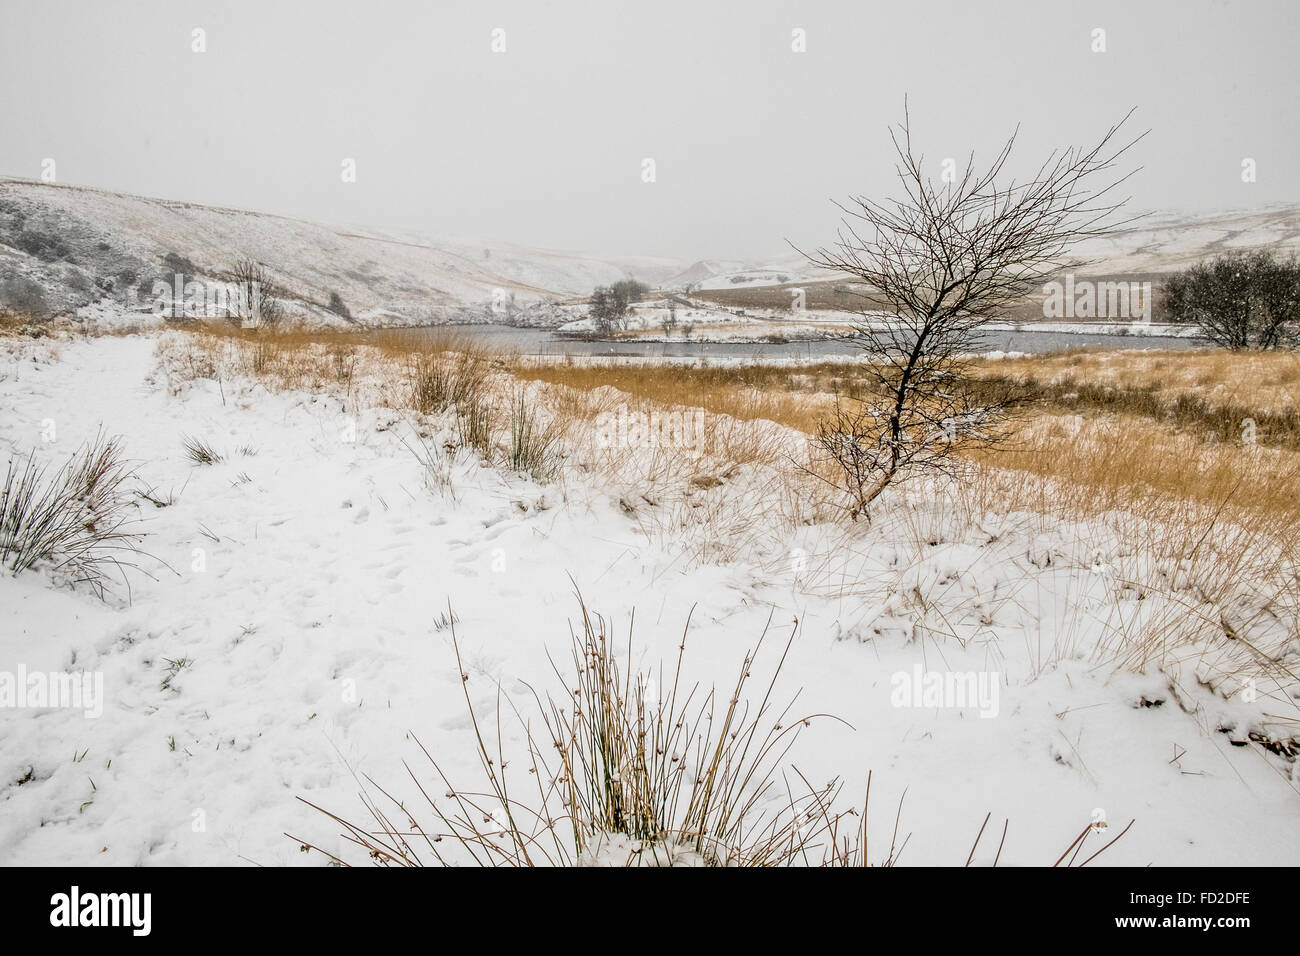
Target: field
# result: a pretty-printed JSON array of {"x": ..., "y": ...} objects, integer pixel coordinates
[{"x": 362, "y": 564}]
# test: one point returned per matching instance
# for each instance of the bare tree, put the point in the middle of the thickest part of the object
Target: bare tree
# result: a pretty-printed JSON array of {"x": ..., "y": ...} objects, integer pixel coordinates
[
  {"x": 669, "y": 321},
  {"x": 257, "y": 293},
  {"x": 1241, "y": 300},
  {"x": 944, "y": 259}
]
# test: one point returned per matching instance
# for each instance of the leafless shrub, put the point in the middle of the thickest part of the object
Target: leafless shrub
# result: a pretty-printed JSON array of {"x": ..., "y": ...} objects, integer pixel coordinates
[
  {"x": 945, "y": 258},
  {"x": 258, "y": 293}
]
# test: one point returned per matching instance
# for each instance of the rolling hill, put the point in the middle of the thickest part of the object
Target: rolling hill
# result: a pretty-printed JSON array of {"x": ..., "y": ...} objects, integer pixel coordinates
[
  {"x": 74, "y": 250},
  {"x": 75, "y": 247}
]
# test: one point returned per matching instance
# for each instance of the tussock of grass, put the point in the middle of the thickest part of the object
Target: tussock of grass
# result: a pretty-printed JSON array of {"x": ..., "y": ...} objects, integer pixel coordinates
[
  {"x": 77, "y": 518},
  {"x": 442, "y": 380},
  {"x": 432, "y": 384},
  {"x": 475, "y": 422},
  {"x": 620, "y": 774},
  {"x": 201, "y": 452},
  {"x": 534, "y": 445}
]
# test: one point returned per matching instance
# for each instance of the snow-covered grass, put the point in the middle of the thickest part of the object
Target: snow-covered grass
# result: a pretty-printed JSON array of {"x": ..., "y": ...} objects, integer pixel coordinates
[
  {"x": 295, "y": 639},
  {"x": 78, "y": 519},
  {"x": 1258, "y": 381},
  {"x": 674, "y": 775},
  {"x": 1222, "y": 441}
]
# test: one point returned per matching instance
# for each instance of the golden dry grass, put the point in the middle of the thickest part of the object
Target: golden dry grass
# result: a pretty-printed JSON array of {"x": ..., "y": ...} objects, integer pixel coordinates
[
  {"x": 1110, "y": 453},
  {"x": 745, "y": 392},
  {"x": 1107, "y": 460},
  {"x": 1266, "y": 381},
  {"x": 1111, "y": 457}
]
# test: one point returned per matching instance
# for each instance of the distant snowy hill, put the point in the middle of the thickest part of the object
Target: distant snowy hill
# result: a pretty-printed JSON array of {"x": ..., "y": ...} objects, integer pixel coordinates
[
  {"x": 1157, "y": 242},
  {"x": 1164, "y": 242},
  {"x": 70, "y": 249},
  {"x": 74, "y": 247}
]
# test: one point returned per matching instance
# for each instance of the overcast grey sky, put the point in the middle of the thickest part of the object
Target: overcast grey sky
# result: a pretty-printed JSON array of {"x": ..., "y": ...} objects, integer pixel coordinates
[{"x": 543, "y": 143}]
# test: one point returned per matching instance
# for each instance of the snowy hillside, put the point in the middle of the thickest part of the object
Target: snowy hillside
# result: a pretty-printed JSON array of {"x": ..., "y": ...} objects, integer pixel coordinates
[
  {"x": 1156, "y": 242},
  {"x": 74, "y": 247},
  {"x": 68, "y": 249}
]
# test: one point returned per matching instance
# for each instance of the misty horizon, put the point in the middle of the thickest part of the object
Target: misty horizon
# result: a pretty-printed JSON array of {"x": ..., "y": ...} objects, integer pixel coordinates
[{"x": 538, "y": 135}]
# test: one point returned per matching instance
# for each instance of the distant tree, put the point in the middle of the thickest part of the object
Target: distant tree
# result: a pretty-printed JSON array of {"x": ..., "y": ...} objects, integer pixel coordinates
[
  {"x": 618, "y": 294},
  {"x": 258, "y": 293},
  {"x": 602, "y": 309},
  {"x": 630, "y": 290},
  {"x": 1241, "y": 300},
  {"x": 669, "y": 321},
  {"x": 609, "y": 304}
]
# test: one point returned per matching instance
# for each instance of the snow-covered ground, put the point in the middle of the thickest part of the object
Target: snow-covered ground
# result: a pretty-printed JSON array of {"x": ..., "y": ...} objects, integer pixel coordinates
[{"x": 292, "y": 639}]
